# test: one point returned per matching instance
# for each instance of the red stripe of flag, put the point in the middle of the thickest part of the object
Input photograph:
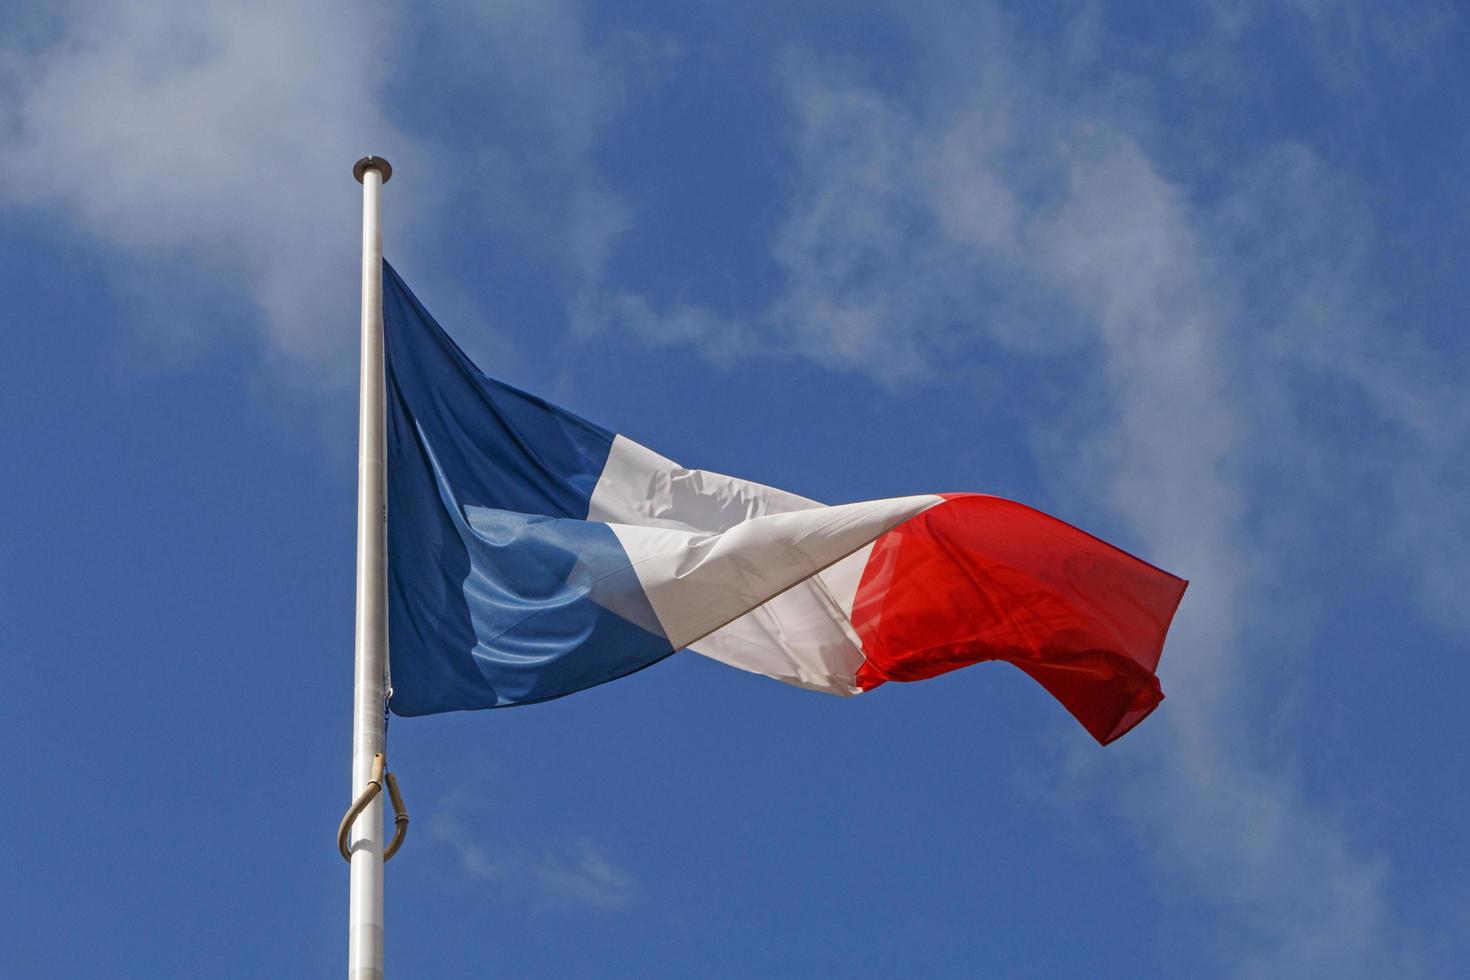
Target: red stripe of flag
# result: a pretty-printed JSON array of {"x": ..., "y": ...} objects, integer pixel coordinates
[{"x": 980, "y": 578}]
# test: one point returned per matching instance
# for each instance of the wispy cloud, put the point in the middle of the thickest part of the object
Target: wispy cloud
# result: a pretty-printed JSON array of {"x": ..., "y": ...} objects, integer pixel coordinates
[
  {"x": 550, "y": 90},
  {"x": 1008, "y": 181},
  {"x": 1120, "y": 244},
  {"x": 216, "y": 139},
  {"x": 996, "y": 188},
  {"x": 1343, "y": 38},
  {"x": 576, "y": 873},
  {"x": 214, "y": 134},
  {"x": 1299, "y": 236}
]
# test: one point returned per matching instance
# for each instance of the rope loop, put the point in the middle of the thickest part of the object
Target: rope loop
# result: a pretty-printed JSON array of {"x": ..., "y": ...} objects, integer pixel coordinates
[
  {"x": 400, "y": 818},
  {"x": 370, "y": 793}
]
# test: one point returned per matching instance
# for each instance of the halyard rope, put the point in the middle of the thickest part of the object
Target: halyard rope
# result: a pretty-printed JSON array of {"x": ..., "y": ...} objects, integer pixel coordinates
[{"x": 374, "y": 787}]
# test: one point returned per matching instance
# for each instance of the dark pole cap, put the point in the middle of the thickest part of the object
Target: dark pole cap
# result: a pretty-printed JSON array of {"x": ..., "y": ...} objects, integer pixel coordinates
[{"x": 372, "y": 163}]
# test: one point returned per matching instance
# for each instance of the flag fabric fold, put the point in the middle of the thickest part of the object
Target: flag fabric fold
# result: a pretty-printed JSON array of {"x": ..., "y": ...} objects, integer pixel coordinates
[{"x": 533, "y": 554}]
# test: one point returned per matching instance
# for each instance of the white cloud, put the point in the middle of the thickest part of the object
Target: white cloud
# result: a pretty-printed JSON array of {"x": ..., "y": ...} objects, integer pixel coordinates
[
  {"x": 220, "y": 133},
  {"x": 1344, "y": 39},
  {"x": 987, "y": 192},
  {"x": 217, "y": 138},
  {"x": 549, "y": 90},
  {"x": 1298, "y": 234},
  {"x": 575, "y": 873}
]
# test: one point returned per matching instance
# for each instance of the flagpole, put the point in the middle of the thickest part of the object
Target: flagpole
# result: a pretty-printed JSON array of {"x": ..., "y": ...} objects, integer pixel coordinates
[{"x": 365, "y": 913}]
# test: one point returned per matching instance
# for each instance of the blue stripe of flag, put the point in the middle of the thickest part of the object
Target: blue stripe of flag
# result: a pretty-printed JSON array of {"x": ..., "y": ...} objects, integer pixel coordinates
[{"x": 500, "y": 592}]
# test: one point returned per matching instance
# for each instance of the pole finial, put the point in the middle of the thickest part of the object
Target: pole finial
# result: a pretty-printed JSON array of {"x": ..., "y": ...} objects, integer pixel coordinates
[{"x": 372, "y": 163}]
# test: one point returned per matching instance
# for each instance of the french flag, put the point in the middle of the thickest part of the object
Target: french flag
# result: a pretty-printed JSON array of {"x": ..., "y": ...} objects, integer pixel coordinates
[{"x": 533, "y": 554}]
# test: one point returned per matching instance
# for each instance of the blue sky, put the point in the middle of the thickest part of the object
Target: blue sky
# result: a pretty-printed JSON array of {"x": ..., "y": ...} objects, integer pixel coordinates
[{"x": 1191, "y": 279}]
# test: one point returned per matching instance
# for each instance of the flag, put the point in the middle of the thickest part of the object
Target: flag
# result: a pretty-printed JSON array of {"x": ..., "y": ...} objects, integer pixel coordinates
[{"x": 533, "y": 554}]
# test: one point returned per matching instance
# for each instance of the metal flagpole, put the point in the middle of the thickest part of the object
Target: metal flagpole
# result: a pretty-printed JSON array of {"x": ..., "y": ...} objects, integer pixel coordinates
[{"x": 365, "y": 935}]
